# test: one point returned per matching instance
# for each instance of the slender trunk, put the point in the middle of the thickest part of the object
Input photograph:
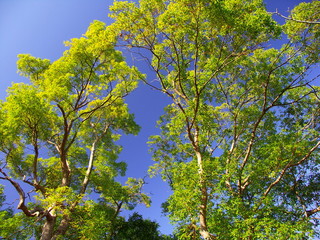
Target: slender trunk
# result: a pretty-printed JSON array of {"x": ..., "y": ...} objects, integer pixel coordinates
[
  {"x": 89, "y": 168},
  {"x": 113, "y": 231},
  {"x": 203, "y": 189},
  {"x": 204, "y": 200},
  {"x": 65, "y": 170}
]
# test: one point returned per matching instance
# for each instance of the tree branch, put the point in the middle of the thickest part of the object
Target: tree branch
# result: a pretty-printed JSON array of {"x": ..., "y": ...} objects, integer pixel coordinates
[
  {"x": 313, "y": 211},
  {"x": 21, "y": 193},
  {"x": 289, "y": 165},
  {"x": 295, "y": 20}
]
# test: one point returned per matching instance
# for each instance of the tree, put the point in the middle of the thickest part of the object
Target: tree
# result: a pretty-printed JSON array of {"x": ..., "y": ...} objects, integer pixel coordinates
[
  {"x": 239, "y": 143},
  {"x": 58, "y": 137},
  {"x": 136, "y": 228}
]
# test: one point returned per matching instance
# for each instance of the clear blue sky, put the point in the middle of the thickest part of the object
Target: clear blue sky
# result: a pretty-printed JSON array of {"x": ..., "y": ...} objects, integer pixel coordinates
[{"x": 39, "y": 27}]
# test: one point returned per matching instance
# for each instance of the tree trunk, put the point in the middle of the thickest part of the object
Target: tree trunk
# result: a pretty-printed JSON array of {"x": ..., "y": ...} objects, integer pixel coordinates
[
  {"x": 48, "y": 227},
  {"x": 62, "y": 228},
  {"x": 204, "y": 200},
  {"x": 203, "y": 188}
]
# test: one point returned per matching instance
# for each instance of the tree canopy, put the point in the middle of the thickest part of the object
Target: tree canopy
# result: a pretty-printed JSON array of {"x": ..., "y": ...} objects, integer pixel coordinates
[
  {"x": 239, "y": 141},
  {"x": 136, "y": 228},
  {"x": 58, "y": 136}
]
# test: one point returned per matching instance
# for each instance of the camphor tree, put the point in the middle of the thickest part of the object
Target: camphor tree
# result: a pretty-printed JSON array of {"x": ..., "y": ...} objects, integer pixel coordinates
[
  {"x": 239, "y": 143},
  {"x": 58, "y": 137}
]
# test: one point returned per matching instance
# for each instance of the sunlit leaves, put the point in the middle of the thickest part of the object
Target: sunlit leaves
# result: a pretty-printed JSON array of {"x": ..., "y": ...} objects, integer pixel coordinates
[
  {"x": 27, "y": 112},
  {"x": 243, "y": 116},
  {"x": 32, "y": 67},
  {"x": 59, "y": 133},
  {"x": 302, "y": 26}
]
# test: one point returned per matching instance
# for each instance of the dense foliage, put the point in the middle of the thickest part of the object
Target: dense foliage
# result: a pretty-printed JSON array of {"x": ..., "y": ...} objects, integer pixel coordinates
[
  {"x": 58, "y": 138},
  {"x": 239, "y": 142},
  {"x": 137, "y": 228}
]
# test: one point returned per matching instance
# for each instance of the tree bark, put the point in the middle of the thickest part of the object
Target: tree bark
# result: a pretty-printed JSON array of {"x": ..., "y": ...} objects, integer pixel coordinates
[
  {"x": 203, "y": 191},
  {"x": 48, "y": 227},
  {"x": 204, "y": 200},
  {"x": 62, "y": 228}
]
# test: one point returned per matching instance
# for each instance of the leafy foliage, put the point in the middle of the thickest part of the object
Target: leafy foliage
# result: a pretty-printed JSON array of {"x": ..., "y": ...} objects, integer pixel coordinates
[
  {"x": 59, "y": 133},
  {"x": 136, "y": 228},
  {"x": 239, "y": 142},
  {"x": 302, "y": 27}
]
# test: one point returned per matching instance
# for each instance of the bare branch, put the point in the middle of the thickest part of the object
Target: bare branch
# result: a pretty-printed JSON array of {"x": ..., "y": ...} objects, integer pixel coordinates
[
  {"x": 295, "y": 20},
  {"x": 21, "y": 193},
  {"x": 313, "y": 211}
]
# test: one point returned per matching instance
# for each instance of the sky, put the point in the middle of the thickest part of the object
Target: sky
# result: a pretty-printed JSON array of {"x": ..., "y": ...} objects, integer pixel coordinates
[{"x": 39, "y": 27}]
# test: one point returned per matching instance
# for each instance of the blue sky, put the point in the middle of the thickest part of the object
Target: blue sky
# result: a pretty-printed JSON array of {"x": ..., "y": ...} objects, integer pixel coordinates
[{"x": 39, "y": 27}]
